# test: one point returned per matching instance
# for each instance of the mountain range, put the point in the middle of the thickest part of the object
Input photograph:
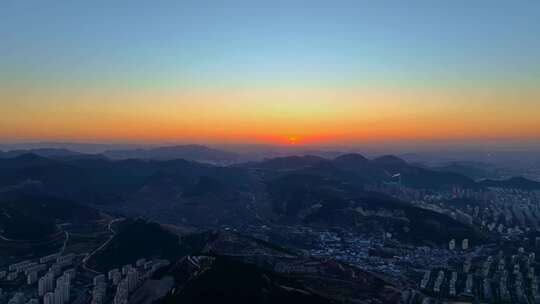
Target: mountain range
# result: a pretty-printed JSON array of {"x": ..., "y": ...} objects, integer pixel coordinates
[
  {"x": 512, "y": 183},
  {"x": 306, "y": 190},
  {"x": 53, "y": 153},
  {"x": 189, "y": 152}
]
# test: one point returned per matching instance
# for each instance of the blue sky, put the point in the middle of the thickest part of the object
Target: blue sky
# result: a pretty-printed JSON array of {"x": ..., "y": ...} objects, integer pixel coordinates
[{"x": 269, "y": 42}]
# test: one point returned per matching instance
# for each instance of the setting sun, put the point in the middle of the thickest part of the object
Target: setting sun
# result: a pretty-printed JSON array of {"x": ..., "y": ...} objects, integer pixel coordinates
[{"x": 293, "y": 140}]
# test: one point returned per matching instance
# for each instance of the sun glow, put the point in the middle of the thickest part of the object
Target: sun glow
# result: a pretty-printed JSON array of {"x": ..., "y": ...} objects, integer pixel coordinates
[
  {"x": 275, "y": 116},
  {"x": 293, "y": 140}
]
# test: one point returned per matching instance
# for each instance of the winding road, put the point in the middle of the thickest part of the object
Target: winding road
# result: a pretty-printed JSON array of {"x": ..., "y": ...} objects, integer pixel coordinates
[{"x": 88, "y": 256}]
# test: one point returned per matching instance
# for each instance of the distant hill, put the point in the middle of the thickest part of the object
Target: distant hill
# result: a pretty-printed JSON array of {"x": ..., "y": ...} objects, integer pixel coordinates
[
  {"x": 295, "y": 192},
  {"x": 472, "y": 170},
  {"x": 48, "y": 153},
  {"x": 375, "y": 171},
  {"x": 200, "y": 194},
  {"x": 512, "y": 183},
  {"x": 35, "y": 217},
  {"x": 352, "y": 159},
  {"x": 101, "y": 180},
  {"x": 205, "y": 185},
  {"x": 287, "y": 162},
  {"x": 419, "y": 177},
  {"x": 23, "y": 161},
  {"x": 189, "y": 152},
  {"x": 302, "y": 189},
  {"x": 390, "y": 162},
  {"x": 363, "y": 168}
]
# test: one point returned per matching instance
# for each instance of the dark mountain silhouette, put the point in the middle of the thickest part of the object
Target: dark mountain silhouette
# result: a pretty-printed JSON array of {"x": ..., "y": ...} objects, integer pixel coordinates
[
  {"x": 364, "y": 171},
  {"x": 249, "y": 284},
  {"x": 305, "y": 189},
  {"x": 31, "y": 217},
  {"x": 470, "y": 169},
  {"x": 93, "y": 180},
  {"x": 22, "y": 161},
  {"x": 362, "y": 167},
  {"x": 419, "y": 177},
  {"x": 188, "y": 152},
  {"x": 352, "y": 159},
  {"x": 287, "y": 162},
  {"x": 389, "y": 162},
  {"x": 49, "y": 153},
  {"x": 205, "y": 185},
  {"x": 513, "y": 183}
]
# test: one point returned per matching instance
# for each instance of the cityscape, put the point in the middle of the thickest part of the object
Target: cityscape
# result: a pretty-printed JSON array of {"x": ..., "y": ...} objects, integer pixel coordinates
[
  {"x": 270, "y": 152},
  {"x": 491, "y": 258}
]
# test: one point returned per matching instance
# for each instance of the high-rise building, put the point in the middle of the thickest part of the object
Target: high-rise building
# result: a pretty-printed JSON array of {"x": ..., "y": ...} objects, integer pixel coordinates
[
  {"x": 133, "y": 279},
  {"x": 55, "y": 269},
  {"x": 115, "y": 276},
  {"x": 48, "y": 298},
  {"x": 469, "y": 285},
  {"x": 59, "y": 295},
  {"x": 425, "y": 279},
  {"x": 122, "y": 293},
  {"x": 46, "y": 284},
  {"x": 465, "y": 244},
  {"x": 99, "y": 291},
  {"x": 111, "y": 273},
  {"x": 31, "y": 278},
  {"x": 70, "y": 274},
  {"x": 63, "y": 287},
  {"x": 126, "y": 268},
  {"x": 67, "y": 290}
]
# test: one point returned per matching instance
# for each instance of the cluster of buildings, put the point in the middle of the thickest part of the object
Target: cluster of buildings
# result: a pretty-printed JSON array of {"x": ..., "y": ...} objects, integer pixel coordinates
[
  {"x": 505, "y": 212},
  {"x": 61, "y": 278},
  {"x": 61, "y": 293},
  {"x": 345, "y": 246},
  {"x": 46, "y": 278},
  {"x": 494, "y": 279},
  {"x": 120, "y": 283}
]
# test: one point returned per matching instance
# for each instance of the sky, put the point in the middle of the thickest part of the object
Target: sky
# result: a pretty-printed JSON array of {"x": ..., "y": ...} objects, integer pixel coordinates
[{"x": 271, "y": 72}]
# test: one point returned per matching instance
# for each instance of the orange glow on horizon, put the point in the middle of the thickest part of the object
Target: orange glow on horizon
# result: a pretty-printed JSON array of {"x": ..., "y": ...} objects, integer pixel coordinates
[{"x": 282, "y": 117}]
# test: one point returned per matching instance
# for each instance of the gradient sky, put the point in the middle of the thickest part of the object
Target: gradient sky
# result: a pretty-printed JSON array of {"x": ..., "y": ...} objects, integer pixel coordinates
[{"x": 266, "y": 71}]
